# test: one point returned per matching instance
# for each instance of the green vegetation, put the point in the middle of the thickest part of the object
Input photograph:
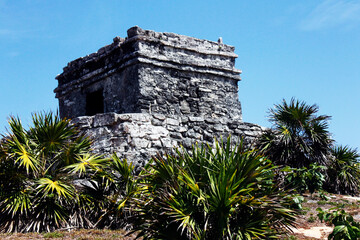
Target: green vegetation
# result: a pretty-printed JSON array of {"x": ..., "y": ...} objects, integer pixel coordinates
[
  {"x": 311, "y": 219},
  {"x": 53, "y": 235},
  {"x": 298, "y": 137},
  {"x": 37, "y": 193},
  {"x": 304, "y": 179},
  {"x": 220, "y": 193},
  {"x": 343, "y": 171},
  {"x": 300, "y": 140},
  {"x": 50, "y": 180},
  {"x": 291, "y": 237},
  {"x": 323, "y": 195},
  {"x": 345, "y": 227},
  {"x": 296, "y": 201},
  {"x": 107, "y": 187},
  {"x": 323, "y": 202}
]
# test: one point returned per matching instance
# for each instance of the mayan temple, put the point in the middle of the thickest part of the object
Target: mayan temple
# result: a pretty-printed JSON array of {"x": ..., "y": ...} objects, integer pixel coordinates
[{"x": 152, "y": 91}]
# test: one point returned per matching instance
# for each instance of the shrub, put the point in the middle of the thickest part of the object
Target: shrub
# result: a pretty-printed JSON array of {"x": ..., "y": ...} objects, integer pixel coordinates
[
  {"x": 36, "y": 191},
  {"x": 298, "y": 136},
  {"x": 303, "y": 179},
  {"x": 107, "y": 187},
  {"x": 296, "y": 202},
  {"x": 345, "y": 227},
  {"x": 343, "y": 171},
  {"x": 212, "y": 193}
]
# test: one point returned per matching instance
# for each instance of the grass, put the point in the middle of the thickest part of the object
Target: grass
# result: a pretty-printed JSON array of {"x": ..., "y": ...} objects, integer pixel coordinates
[
  {"x": 53, "y": 235},
  {"x": 322, "y": 202},
  {"x": 291, "y": 237},
  {"x": 311, "y": 219},
  {"x": 83, "y": 234}
]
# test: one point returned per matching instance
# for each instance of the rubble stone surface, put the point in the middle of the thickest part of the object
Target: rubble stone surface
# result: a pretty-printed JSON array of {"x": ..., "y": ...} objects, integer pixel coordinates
[{"x": 135, "y": 136}]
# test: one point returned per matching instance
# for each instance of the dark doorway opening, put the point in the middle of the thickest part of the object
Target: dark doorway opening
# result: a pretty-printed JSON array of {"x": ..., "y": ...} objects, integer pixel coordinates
[{"x": 94, "y": 103}]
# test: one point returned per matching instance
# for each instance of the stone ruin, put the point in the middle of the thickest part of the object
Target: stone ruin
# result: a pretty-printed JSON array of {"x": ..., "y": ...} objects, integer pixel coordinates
[{"x": 151, "y": 92}]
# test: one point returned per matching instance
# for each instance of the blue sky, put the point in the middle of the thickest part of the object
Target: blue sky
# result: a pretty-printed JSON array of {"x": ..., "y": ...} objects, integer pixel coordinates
[{"x": 304, "y": 49}]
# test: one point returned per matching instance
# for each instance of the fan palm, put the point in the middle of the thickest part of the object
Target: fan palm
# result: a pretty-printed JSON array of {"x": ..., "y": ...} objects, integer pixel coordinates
[
  {"x": 298, "y": 137},
  {"x": 106, "y": 188},
  {"x": 212, "y": 193},
  {"x": 36, "y": 193},
  {"x": 343, "y": 171}
]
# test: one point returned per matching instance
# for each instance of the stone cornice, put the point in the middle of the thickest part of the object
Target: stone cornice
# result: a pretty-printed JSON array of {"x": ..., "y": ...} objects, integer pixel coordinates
[{"x": 197, "y": 55}]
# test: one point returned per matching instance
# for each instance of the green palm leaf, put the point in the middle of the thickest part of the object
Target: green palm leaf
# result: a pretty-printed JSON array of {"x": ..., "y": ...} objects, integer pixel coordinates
[
  {"x": 86, "y": 162},
  {"x": 17, "y": 203},
  {"x": 48, "y": 186},
  {"x": 25, "y": 158}
]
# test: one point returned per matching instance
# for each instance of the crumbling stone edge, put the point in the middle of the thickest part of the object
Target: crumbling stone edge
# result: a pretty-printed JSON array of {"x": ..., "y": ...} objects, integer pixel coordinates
[{"x": 139, "y": 136}]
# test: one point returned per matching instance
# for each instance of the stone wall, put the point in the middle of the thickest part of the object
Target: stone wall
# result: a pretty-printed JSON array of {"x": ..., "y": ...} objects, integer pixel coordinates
[
  {"x": 138, "y": 136},
  {"x": 186, "y": 93}
]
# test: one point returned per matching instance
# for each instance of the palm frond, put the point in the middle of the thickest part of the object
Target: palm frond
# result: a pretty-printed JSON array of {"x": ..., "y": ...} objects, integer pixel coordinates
[
  {"x": 47, "y": 186},
  {"x": 86, "y": 162},
  {"x": 25, "y": 158},
  {"x": 298, "y": 136}
]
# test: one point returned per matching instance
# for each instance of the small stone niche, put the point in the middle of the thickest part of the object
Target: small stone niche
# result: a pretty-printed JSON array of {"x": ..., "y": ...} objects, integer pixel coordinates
[{"x": 95, "y": 102}]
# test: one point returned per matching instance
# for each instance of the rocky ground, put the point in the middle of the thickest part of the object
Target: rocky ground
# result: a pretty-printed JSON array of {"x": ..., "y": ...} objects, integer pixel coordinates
[{"x": 308, "y": 224}]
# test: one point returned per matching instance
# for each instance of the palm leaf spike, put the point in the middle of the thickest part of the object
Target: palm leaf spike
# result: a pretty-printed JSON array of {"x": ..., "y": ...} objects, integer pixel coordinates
[
  {"x": 86, "y": 162},
  {"x": 49, "y": 186},
  {"x": 37, "y": 157},
  {"x": 16, "y": 129},
  {"x": 17, "y": 201},
  {"x": 50, "y": 132},
  {"x": 25, "y": 158},
  {"x": 122, "y": 166},
  {"x": 71, "y": 149},
  {"x": 234, "y": 197}
]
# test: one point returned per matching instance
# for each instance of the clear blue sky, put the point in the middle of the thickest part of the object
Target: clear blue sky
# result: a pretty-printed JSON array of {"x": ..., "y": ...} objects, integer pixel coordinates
[{"x": 305, "y": 49}]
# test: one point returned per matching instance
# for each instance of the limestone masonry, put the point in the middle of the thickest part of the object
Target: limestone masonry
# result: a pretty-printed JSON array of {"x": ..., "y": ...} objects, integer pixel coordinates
[{"x": 152, "y": 91}]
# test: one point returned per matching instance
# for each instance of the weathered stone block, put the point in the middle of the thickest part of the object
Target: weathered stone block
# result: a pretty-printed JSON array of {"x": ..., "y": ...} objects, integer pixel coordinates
[
  {"x": 146, "y": 73},
  {"x": 157, "y": 122},
  {"x": 140, "y": 143},
  {"x": 167, "y": 143},
  {"x": 219, "y": 128},
  {"x": 171, "y": 121},
  {"x": 176, "y": 135},
  {"x": 83, "y": 122},
  {"x": 181, "y": 129},
  {"x": 123, "y": 117},
  {"x": 160, "y": 117},
  {"x": 104, "y": 119},
  {"x": 196, "y": 119}
]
